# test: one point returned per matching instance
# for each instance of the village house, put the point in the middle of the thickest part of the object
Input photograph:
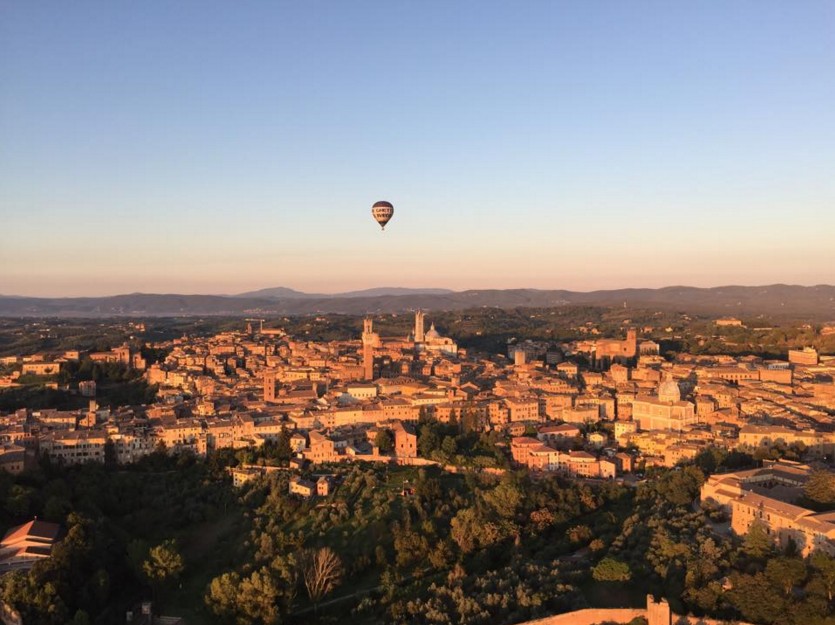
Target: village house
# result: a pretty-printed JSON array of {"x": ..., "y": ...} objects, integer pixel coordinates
[
  {"x": 303, "y": 488},
  {"x": 558, "y": 435},
  {"x": 765, "y": 496},
  {"x": 74, "y": 447},
  {"x": 405, "y": 441}
]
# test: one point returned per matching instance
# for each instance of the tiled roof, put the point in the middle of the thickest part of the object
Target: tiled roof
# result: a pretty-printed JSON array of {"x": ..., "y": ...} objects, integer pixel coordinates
[{"x": 33, "y": 529}]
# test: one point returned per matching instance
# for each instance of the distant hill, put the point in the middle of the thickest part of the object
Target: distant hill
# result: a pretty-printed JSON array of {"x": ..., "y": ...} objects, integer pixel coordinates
[
  {"x": 813, "y": 302},
  {"x": 392, "y": 290},
  {"x": 134, "y": 304},
  {"x": 281, "y": 292}
]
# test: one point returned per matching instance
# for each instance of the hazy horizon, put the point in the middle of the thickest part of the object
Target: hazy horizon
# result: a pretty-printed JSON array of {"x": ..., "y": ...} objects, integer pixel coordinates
[
  {"x": 237, "y": 293},
  {"x": 203, "y": 147}
]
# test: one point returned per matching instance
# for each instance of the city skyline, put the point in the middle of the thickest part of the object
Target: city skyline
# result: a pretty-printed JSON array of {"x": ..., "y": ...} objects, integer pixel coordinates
[{"x": 202, "y": 148}]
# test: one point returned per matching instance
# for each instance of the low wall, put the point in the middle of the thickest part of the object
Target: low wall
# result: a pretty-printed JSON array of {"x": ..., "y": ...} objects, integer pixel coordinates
[
  {"x": 695, "y": 620},
  {"x": 451, "y": 468},
  {"x": 591, "y": 616},
  {"x": 415, "y": 462}
]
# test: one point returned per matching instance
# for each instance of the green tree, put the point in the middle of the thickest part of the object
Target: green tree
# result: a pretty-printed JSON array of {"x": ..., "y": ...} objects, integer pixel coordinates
[
  {"x": 470, "y": 420},
  {"x": 449, "y": 446},
  {"x": 283, "y": 451},
  {"x": 110, "y": 459},
  {"x": 258, "y": 598},
  {"x": 222, "y": 595},
  {"x": 440, "y": 556},
  {"x": 137, "y": 553},
  {"x": 37, "y": 602},
  {"x": 785, "y": 573},
  {"x": 81, "y": 618},
  {"x": 820, "y": 487},
  {"x": 824, "y": 566},
  {"x": 682, "y": 486},
  {"x": 380, "y": 556},
  {"x": 506, "y": 497},
  {"x": 163, "y": 565},
  {"x": 409, "y": 547},
  {"x": 19, "y": 500},
  {"x": 471, "y": 531},
  {"x": 756, "y": 600},
  {"x": 463, "y": 529},
  {"x": 757, "y": 542},
  {"x": 597, "y": 545},
  {"x": 611, "y": 570},
  {"x": 710, "y": 459},
  {"x": 253, "y": 600},
  {"x": 56, "y": 509},
  {"x": 245, "y": 456},
  {"x": 428, "y": 440},
  {"x": 579, "y": 534},
  {"x": 384, "y": 441},
  {"x": 164, "y": 562}
]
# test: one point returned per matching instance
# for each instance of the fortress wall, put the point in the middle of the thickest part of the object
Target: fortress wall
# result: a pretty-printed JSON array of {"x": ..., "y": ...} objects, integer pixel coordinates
[
  {"x": 595, "y": 616},
  {"x": 591, "y": 616}
]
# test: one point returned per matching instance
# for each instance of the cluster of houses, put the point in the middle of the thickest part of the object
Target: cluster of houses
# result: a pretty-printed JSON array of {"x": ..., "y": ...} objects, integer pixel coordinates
[
  {"x": 550, "y": 450},
  {"x": 50, "y": 364},
  {"x": 626, "y": 407},
  {"x": 244, "y": 389}
]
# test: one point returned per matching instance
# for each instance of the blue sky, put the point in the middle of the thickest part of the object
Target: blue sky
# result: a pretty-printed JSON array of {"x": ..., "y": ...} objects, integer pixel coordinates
[{"x": 219, "y": 147}]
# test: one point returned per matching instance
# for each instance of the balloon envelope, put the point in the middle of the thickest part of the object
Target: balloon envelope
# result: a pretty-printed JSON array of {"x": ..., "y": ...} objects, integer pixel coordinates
[{"x": 382, "y": 213}]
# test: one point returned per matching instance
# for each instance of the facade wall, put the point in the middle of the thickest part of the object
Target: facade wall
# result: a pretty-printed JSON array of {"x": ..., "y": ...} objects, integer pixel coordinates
[
  {"x": 41, "y": 368},
  {"x": 405, "y": 443},
  {"x": 806, "y": 356},
  {"x": 651, "y": 414}
]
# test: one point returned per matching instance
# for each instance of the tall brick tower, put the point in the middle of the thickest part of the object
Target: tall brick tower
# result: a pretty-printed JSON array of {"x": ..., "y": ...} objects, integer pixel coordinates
[
  {"x": 631, "y": 343},
  {"x": 419, "y": 333},
  {"x": 368, "y": 339},
  {"x": 658, "y": 612},
  {"x": 269, "y": 386}
]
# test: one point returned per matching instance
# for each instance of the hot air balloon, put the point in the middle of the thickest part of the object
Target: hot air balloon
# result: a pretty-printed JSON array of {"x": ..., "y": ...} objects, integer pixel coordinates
[{"x": 382, "y": 212}]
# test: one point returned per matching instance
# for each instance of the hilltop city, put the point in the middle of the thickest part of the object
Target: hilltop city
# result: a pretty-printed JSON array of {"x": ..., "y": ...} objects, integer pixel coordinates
[{"x": 589, "y": 412}]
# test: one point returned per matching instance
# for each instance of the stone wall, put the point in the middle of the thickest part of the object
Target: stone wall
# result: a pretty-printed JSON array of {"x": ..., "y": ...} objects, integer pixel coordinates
[
  {"x": 695, "y": 620},
  {"x": 656, "y": 613},
  {"x": 591, "y": 616},
  {"x": 596, "y": 616}
]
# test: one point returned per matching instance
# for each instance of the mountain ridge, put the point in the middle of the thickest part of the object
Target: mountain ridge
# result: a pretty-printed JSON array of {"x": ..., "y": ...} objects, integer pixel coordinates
[
  {"x": 281, "y": 292},
  {"x": 814, "y": 302}
]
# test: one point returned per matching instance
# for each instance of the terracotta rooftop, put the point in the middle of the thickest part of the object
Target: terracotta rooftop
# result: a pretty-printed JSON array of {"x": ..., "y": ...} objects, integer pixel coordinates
[{"x": 33, "y": 529}]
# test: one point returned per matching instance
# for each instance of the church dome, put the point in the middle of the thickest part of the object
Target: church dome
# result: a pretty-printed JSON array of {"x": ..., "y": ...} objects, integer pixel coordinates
[
  {"x": 668, "y": 390},
  {"x": 433, "y": 333}
]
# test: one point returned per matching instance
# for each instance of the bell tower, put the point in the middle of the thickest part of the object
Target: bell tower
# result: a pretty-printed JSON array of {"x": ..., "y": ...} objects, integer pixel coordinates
[
  {"x": 269, "y": 386},
  {"x": 368, "y": 340},
  {"x": 419, "y": 334}
]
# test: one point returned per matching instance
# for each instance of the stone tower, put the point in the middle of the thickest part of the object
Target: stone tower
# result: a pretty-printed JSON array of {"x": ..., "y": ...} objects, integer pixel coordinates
[
  {"x": 631, "y": 344},
  {"x": 368, "y": 339},
  {"x": 269, "y": 386},
  {"x": 419, "y": 334},
  {"x": 658, "y": 612}
]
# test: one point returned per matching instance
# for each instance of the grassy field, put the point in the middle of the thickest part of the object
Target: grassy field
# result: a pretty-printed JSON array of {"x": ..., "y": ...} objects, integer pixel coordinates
[{"x": 208, "y": 549}]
